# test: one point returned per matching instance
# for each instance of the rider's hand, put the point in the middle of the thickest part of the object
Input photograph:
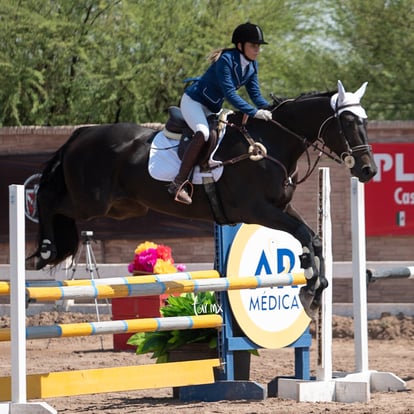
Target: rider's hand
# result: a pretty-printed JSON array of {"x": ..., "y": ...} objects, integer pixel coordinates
[{"x": 263, "y": 114}]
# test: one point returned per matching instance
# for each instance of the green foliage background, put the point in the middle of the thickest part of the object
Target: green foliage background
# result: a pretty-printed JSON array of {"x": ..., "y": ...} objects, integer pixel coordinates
[{"x": 97, "y": 61}]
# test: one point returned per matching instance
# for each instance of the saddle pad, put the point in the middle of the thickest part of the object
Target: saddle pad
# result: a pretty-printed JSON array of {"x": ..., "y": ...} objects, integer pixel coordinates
[{"x": 164, "y": 163}]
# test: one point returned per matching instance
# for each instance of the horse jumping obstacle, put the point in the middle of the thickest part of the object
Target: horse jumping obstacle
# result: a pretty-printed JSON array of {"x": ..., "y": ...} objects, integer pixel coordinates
[
  {"x": 50, "y": 384},
  {"x": 339, "y": 387}
]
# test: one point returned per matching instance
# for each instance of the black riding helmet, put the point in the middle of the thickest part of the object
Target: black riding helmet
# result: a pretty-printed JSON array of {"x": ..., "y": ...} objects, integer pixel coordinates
[{"x": 248, "y": 32}]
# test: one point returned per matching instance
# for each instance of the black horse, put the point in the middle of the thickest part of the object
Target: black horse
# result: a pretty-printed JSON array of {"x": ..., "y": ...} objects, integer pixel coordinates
[{"x": 102, "y": 171}]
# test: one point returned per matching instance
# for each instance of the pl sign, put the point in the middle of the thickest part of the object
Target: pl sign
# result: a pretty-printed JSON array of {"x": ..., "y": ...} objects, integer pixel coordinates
[{"x": 389, "y": 197}]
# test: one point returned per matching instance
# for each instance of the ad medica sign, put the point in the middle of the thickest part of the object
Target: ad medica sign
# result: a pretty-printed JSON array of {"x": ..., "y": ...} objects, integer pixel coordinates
[
  {"x": 270, "y": 317},
  {"x": 389, "y": 196}
]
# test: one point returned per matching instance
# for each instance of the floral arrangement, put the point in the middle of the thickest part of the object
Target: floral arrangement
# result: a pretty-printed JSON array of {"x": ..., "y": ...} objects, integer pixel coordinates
[
  {"x": 154, "y": 258},
  {"x": 160, "y": 343}
]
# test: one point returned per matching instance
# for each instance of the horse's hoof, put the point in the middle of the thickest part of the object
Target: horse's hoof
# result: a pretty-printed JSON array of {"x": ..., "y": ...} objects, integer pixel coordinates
[
  {"x": 47, "y": 253},
  {"x": 307, "y": 300},
  {"x": 46, "y": 249}
]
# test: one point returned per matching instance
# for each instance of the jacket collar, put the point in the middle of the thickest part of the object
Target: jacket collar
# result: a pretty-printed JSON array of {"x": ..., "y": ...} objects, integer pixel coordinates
[{"x": 238, "y": 67}]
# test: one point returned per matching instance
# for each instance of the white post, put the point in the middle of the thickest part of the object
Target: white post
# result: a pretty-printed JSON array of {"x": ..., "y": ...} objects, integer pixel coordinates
[
  {"x": 346, "y": 386},
  {"x": 324, "y": 389},
  {"x": 324, "y": 368},
  {"x": 17, "y": 245},
  {"x": 359, "y": 282},
  {"x": 377, "y": 381},
  {"x": 17, "y": 293}
]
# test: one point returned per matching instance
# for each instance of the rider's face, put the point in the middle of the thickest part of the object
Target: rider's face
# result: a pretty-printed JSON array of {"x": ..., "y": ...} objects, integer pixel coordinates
[{"x": 251, "y": 50}]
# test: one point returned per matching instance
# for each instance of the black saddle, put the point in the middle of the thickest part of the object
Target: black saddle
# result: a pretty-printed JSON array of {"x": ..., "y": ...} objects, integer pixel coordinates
[
  {"x": 175, "y": 123},
  {"x": 177, "y": 128}
]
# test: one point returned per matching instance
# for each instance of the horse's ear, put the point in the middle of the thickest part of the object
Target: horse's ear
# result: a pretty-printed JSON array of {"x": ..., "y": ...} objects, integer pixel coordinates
[
  {"x": 341, "y": 91},
  {"x": 361, "y": 91}
]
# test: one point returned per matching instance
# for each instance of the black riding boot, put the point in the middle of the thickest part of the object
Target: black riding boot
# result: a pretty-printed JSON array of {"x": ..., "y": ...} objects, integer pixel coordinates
[{"x": 191, "y": 154}]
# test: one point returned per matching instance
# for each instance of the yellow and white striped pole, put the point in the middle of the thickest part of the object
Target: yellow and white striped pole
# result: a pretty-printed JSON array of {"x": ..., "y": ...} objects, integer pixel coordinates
[
  {"x": 159, "y": 288},
  {"x": 121, "y": 326}
]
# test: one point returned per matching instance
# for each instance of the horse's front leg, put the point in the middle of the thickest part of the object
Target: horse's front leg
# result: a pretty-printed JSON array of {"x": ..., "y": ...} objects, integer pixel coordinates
[{"x": 313, "y": 263}]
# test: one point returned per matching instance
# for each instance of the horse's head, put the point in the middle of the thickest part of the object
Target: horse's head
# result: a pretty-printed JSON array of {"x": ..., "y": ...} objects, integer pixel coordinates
[{"x": 351, "y": 145}]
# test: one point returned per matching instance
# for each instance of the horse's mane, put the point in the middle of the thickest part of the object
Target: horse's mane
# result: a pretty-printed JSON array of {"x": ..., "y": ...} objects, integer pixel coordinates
[
  {"x": 153, "y": 125},
  {"x": 314, "y": 94},
  {"x": 280, "y": 101}
]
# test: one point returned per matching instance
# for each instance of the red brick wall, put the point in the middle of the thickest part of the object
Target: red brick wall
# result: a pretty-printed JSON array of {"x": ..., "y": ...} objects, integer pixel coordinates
[{"x": 48, "y": 139}]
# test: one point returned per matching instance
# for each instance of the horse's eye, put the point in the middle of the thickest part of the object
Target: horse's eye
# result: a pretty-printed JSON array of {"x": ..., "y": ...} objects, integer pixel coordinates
[
  {"x": 351, "y": 120},
  {"x": 348, "y": 122}
]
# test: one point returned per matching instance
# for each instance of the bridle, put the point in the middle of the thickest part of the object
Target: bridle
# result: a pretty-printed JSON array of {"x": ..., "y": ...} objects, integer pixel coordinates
[
  {"x": 257, "y": 151},
  {"x": 347, "y": 157}
]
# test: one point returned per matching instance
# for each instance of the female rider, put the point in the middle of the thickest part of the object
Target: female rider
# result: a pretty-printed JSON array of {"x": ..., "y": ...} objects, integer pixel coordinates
[{"x": 229, "y": 70}]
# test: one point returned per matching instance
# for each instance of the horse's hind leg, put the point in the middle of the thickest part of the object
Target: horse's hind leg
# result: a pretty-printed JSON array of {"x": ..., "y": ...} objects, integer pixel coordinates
[
  {"x": 57, "y": 236},
  {"x": 46, "y": 249}
]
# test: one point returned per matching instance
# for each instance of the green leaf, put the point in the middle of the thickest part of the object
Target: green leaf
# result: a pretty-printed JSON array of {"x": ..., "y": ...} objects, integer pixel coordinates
[{"x": 160, "y": 343}]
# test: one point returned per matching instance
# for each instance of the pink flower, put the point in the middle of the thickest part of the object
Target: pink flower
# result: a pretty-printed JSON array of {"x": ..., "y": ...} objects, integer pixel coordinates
[
  {"x": 181, "y": 267},
  {"x": 131, "y": 267},
  {"x": 152, "y": 258},
  {"x": 147, "y": 260}
]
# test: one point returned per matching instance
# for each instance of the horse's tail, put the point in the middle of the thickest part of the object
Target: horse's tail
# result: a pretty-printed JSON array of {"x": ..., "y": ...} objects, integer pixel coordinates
[
  {"x": 52, "y": 174},
  {"x": 60, "y": 231},
  {"x": 66, "y": 240}
]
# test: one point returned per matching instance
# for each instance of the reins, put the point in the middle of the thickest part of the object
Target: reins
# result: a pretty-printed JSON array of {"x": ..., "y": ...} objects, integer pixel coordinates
[
  {"x": 306, "y": 143},
  {"x": 258, "y": 151}
]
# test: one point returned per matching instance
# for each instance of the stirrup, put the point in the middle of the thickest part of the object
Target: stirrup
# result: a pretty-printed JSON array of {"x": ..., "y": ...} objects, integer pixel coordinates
[{"x": 181, "y": 188}]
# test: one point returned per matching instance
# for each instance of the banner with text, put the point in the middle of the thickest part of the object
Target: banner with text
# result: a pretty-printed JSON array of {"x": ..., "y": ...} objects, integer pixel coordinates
[{"x": 389, "y": 196}]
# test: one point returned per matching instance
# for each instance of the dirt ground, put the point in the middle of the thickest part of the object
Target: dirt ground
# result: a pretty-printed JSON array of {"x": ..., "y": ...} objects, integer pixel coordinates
[{"x": 391, "y": 349}]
